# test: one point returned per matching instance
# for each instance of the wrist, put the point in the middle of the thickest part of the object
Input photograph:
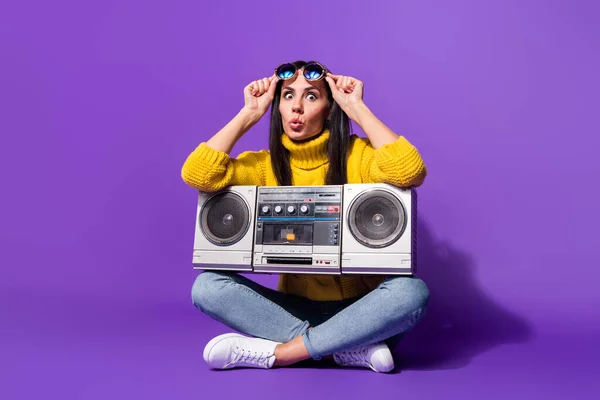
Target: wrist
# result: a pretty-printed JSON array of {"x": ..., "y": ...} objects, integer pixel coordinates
[
  {"x": 249, "y": 116},
  {"x": 357, "y": 112}
]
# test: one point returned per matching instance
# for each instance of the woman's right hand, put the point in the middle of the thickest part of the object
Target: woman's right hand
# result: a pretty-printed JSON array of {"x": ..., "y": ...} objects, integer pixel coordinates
[{"x": 259, "y": 94}]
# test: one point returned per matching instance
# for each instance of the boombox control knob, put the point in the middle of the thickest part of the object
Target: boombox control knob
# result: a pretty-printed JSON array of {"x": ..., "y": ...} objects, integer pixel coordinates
[
  {"x": 278, "y": 209},
  {"x": 266, "y": 209},
  {"x": 304, "y": 209},
  {"x": 291, "y": 209}
]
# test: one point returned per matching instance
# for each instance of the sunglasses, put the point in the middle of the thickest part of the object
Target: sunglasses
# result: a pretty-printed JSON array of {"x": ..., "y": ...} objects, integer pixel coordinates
[{"x": 313, "y": 71}]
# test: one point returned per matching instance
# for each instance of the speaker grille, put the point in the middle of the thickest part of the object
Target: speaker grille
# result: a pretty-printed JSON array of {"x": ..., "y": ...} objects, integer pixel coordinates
[
  {"x": 224, "y": 218},
  {"x": 376, "y": 218}
]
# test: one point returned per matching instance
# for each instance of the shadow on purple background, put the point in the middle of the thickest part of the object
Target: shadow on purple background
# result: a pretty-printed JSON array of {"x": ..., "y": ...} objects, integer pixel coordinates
[{"x": 461, "y": 321}]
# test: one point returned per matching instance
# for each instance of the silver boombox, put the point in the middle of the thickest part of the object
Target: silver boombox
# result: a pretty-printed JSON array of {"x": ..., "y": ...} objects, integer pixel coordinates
[{"x": 332, "y": 229}]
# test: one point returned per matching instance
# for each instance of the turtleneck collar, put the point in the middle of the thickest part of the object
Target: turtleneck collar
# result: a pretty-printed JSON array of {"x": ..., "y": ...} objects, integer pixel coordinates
[{"x": 310, "y": 154}]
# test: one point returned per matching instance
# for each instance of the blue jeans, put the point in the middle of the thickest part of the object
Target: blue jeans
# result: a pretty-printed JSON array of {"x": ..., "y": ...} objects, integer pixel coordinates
[{"x": 386, "y": 313}]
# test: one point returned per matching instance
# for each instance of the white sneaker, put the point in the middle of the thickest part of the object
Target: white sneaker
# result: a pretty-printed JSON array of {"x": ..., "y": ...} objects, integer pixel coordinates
[
  {"x": 376, "y": 356},
  {"x": 232, "y": 350}
]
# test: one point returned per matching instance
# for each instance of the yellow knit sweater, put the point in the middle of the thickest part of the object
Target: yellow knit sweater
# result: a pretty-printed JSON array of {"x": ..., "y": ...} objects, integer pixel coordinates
[{"x": 399, "y": 164}]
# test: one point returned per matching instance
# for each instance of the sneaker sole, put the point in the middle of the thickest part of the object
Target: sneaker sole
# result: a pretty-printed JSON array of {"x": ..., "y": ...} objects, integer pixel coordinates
[{"x": 388, "y": 360}]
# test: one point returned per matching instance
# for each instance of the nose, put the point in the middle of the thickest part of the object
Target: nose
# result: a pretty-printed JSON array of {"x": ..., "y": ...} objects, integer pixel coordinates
[{"x": 297, "y": 106}]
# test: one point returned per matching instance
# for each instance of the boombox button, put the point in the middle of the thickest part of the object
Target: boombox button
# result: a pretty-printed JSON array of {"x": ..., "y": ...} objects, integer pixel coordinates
[{"x": 327, "y": 262}]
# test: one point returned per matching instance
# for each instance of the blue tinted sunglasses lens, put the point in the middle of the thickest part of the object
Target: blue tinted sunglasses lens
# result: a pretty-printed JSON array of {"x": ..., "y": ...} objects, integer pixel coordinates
[
  {"x": 313, "y": 72},
  {"x": 286, "y": 71}
]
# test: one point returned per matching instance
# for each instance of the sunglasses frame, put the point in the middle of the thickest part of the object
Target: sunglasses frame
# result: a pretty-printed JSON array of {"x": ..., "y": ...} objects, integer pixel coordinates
[{"x": 323, "y": 75}]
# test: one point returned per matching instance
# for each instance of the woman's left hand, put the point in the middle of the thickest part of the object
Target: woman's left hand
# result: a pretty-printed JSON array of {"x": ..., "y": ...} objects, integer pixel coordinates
[{"x": 347, "y": 92}]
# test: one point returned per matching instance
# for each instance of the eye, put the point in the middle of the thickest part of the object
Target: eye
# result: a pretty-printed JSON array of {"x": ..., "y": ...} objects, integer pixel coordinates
[
  {"x": 311, "y": 96},
  {"x": 288, "y": 95}
]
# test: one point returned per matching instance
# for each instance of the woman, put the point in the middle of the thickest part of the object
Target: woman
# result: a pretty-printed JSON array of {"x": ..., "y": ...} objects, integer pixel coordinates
[{"x": 346, "y": 318}]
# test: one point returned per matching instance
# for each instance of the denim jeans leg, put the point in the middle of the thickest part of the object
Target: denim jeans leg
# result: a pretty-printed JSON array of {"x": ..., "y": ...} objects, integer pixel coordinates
[
  {"x": 393, "y": 308},
  {"x": 248, "y": 307}
]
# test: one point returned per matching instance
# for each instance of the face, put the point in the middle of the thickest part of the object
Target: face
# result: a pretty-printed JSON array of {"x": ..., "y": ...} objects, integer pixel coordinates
[{"x": 303, "y": 106}]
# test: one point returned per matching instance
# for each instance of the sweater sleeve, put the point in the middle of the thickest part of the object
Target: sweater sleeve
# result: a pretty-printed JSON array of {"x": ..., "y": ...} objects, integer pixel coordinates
[
  {"x": 398, "y": 163},
  {"x": 209, "y": 170}
]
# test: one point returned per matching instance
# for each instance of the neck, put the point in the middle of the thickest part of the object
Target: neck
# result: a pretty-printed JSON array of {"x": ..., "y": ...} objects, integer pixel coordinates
[{"x": 307, "y": 154}]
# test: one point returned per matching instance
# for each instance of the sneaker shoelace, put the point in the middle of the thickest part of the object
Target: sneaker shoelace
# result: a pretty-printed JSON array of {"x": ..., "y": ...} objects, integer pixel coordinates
[
  {"x": 249, "y": 357},
  {"x": 354, "y": 357}
]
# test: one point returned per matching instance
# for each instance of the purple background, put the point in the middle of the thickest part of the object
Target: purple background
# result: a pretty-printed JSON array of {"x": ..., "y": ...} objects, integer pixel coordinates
[{"x": 101, "y": 101}]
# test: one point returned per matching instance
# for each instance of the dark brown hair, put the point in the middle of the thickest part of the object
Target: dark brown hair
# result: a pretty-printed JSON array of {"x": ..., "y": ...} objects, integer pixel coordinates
[{"x": 337, "y": 147}]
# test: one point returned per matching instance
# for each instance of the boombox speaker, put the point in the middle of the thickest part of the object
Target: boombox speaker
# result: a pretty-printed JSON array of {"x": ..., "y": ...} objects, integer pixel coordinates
[
  {"x": 379, "y": 229},
  {"x": 224, "y": 229}
]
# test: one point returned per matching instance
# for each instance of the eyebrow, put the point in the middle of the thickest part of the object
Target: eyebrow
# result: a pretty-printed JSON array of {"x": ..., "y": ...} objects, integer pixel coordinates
[{"x": 306, "y": 89}]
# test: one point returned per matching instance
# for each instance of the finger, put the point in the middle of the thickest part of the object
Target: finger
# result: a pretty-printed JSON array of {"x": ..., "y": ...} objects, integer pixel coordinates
[
  {"x": 335, "y": 77},
  {"x": 261, "y": 87},
  {"x": 272, "y": 87},
  {"x": 340, "y": 83},
  {"x": 273, "y": 78},
  {"x": 333, "y": 86},
  {"x": 349, "y": 85},
  {"x": 354, "y": 82},
  {"x": 358, "y": 84},
  {"x": 251, "y": 88},
  {"x": 254, "y": 88},
  {"x": 331, "y": 83},
  {"x": 267, "y": 84}
]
